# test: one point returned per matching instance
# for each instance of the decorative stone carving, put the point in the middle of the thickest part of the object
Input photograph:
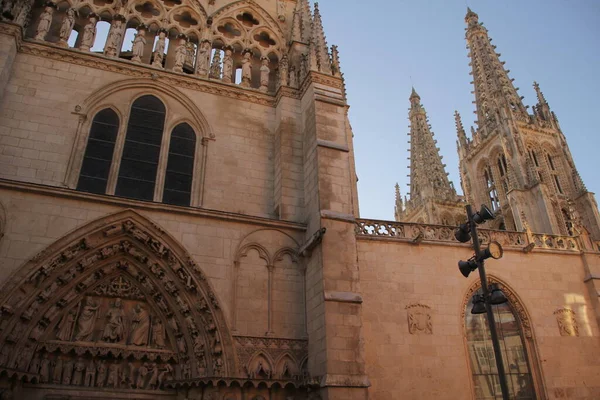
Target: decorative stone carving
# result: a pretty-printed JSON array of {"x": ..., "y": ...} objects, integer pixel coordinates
[
  {"x": 139, "y": 43},
  {"x": 567, "y": 324},
  {"x": 78, "y": 371},
  {"x": 142, "y": 372},
  {"x": 215, "y": 66},
  {"x": 101, "y": 373},
  {"x": 67, "y": 372},
  {"x": 264, "y": 74},
  {"x": 227, "y": 64},
  {"x": 87, "y": 319},
  {"x": 115, "y": 37},
  {"x": 89, "y": 33},
  {"x": 67, "y": 27},
  {"x": 90, "y": 374},
  {"x": 203, "y": 58},
  {"x": 140, "y": 326},
  {"x": 180, "y": 53},
  {"x": 159, "y": 50},
  {"x": 113, "y": 375},
  {"x": 419, "y": 319},
  {"x": 246, "y": 68},
  {"x": 45, "y": 21},
  {"x": 283, "y": 71},
  {"x": 45, "y": 369},
  {"x": 114, "y": 330}
]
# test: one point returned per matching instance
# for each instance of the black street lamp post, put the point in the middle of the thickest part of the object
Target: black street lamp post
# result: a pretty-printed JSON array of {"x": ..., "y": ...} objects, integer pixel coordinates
[{"x": 463, "y": 234}]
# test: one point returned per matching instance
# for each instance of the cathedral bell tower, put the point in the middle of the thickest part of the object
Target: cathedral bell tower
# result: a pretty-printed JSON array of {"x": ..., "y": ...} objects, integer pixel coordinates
[{"x": 518, "y": 163}]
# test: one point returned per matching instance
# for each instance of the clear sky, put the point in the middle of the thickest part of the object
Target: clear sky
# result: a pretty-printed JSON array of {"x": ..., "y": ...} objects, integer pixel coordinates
[{"x": 383, "y": 43}]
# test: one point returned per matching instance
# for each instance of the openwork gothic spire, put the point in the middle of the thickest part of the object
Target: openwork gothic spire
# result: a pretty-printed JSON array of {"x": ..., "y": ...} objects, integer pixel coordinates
[
  {"x": 494, "y": 89},
  {"x": 307, "y": 20},
  {"x": 428, "y": 177},
  {"x": 322, "y": 51}
]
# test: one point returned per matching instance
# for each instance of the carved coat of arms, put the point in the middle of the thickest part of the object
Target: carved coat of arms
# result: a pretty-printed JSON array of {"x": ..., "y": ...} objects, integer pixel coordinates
[{"x": 419, "y": 319}]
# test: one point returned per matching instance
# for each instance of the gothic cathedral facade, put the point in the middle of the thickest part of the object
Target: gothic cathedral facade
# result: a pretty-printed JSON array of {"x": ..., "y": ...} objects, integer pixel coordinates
[{"x": 179, "y": 219}]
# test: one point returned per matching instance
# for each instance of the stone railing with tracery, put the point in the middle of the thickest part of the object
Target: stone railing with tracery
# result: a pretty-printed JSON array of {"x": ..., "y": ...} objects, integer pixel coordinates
[{"x": 417, "y": 233}]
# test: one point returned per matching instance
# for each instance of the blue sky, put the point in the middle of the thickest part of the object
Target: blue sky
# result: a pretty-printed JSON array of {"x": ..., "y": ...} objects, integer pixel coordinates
[{"x": 386, "y": 44}]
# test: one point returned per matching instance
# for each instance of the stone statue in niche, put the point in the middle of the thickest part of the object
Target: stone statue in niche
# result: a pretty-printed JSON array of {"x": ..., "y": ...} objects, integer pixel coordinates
[
  {"x": 202, "y": 58},
  {"x": 66, "y": 27},
  {"x": 28, "y": 314},
  {"x": 114, "y": 330},
  {"x": 45, "y": 369},
  {"x": 101, "y": 373},
  {"x": 78, "y": 371},
  {"x": 115, "y": 36},
  {"x": 57, "y": 373},
  {"x": 113, "y": 375},
  {"x": 567, "y": 324},
  {"x": 131, "y": 375},
  {"x": 89, "y": 33},
  {"x": 86, "y": 321},
  {"x": 181, "y": 346},
  {"x": 34, "y": 365},
  {"x": 23, "y": 15},
  {"x": 227, "y": 65},
  {"x": 140, "y": 326},
  {"x": 217, "y": 366},
  {"x": 37, "y": 332},
  {"x": 45, "y": 21},
  {"x": 153, "y": 382},
  {"x": 419, "y": 319},
  {"x": 67, "y": 372},
  {"x": 283, "y": 71},
  {"x": 65, "y": 326},
  {"x": 23, "y": 357},
  {"x": 186, "y": 370},
  {"x": 158, "y": 334},
  {"x": 138, "y": 48},
  {"x": 264, "y": 74},
  {"x": 246, "y": 69},
  {"x": 141, "y": 379},
  {"x": 159, "y": 50},
  {"x": 90, "y": 374},
  {"x": 180, "y": 54},
  {"x": 165, "y": 374}
]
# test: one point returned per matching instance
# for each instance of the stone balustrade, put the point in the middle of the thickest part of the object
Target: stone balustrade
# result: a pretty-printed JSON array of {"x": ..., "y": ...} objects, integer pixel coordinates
[{"x": 369, "y": 228}]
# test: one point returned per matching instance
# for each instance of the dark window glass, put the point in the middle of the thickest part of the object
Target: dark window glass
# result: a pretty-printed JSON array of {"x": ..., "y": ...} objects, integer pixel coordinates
[
  {"x": 180, "y": 166},
  {"x": 137, "y": 173},
  {"x": 99, "y": 152},
  {"x": 514, "y": 355}
]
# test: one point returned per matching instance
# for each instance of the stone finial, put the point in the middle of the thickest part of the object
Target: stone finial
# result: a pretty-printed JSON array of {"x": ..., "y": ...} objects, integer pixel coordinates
[
  {"x": 398, "y": 209},
  {"x": 540, "y": 95},
  {"x": 322, "y": 51},
  {"x": 335, "y": 62},
  {"x": 460, "y": 130}
]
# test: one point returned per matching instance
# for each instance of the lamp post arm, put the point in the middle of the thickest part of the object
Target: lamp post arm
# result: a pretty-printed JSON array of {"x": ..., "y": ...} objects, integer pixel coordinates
[{"x": 488, "y": 305}]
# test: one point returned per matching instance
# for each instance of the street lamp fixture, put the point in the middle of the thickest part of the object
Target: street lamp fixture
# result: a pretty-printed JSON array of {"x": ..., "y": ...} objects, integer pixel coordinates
[{"x": 482, "y": 303}]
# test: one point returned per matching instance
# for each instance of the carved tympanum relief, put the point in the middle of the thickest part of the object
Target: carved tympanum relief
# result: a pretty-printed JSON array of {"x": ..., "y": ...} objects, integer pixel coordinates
[
  {"x": 118, "y": 308},
  {"x": 567, "y": 324},
  {"x": 419, "y": 319}
]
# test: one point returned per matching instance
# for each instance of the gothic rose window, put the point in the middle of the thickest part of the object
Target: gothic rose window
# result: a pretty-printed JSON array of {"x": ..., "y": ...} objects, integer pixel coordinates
[
  {"x": 139, "y": 163},
  {"x": 99, "y": 152},
  {"x": 180, "y": 166},
  {"x": 514, "y": 354}
]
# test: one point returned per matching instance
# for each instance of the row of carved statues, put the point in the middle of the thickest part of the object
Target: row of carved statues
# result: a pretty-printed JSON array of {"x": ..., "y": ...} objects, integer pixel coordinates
[
  {"x": 101, "y": 373},
  {"x": 221, "y": 67},
  {"x": 139, "y": 329}
]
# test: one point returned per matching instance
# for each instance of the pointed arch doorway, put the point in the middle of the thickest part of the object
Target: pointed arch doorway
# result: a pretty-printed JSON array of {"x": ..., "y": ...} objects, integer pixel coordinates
[{"x": 116, "y": 306}]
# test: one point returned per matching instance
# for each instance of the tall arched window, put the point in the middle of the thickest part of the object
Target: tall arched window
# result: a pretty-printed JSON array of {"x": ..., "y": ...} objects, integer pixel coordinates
[
  {"x": 491, "y": 187},
  {"x": 99, "y": 152},
  {"x": 139, "y": 163},
  {"x": 180, "y": 166},
  {"x": 503, "y": 169},
  {"x": 554, "y": 173},
  {"x": 514, "y": 354}
]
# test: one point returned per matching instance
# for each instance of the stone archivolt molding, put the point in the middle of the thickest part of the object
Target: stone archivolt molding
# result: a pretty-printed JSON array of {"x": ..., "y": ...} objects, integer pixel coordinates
[
  {"x": 515, "y": 303},
  {"x": 47, "y": 306}
]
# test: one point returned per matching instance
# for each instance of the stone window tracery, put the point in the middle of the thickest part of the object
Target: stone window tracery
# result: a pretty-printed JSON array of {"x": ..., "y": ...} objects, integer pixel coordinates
[
  {"x": 180, "y": 166},
  {"x": 482, "y": 359},
  {"x": 491, "y": 188},
  {"x": 554, "y": 173}
]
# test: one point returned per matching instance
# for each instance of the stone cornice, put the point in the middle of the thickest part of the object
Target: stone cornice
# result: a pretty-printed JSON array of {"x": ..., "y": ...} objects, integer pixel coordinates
[
  {"x": 98, "y": 61},
  {"x": 136, "y": 204},
  {"x": 12, "y": 29}
]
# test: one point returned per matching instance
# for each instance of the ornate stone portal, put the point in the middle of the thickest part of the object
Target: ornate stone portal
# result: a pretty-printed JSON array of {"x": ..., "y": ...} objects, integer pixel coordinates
[{"x": 117, "y": 309}]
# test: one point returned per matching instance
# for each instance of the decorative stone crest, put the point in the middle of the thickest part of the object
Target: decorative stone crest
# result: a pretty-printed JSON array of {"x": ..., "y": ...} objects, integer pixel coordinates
[
  {"x": 419, "y": 319},
  {"x": 567, "y": 324}
]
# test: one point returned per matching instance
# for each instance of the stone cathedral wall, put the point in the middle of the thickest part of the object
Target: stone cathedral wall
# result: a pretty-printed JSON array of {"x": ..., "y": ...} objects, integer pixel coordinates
[{"x": 397, "y": 278}]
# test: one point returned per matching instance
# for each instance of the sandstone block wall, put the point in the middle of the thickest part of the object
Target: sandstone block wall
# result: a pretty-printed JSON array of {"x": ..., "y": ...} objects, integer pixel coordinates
[{"x": 394, "y": 275}]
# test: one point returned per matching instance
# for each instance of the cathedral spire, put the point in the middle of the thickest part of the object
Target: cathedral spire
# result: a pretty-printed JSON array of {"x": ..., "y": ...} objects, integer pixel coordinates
[
  {"x": 296, "y": 35},
  {"x": 398, "y": 208},
  {"x": 306, "y": 19},
  {"x": 319, "y": 40},
  {"x": 494, "y": 90},
  {"x": 428, "y": 177},
  {"x": 460, "y": 130}
]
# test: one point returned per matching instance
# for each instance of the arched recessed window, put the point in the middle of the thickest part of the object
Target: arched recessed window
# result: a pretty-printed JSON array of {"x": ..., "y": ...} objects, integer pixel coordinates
[
  {"x": 554, "y": 172},
  {"x": 491, "y": 187},
  {"x": 98, "y": 156},
  {"x": 514, "y": 354},
  {"x": 503, "y": 169},
  {"x": 180, "y": 166},
  {"x": 139, "y": 163}
]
